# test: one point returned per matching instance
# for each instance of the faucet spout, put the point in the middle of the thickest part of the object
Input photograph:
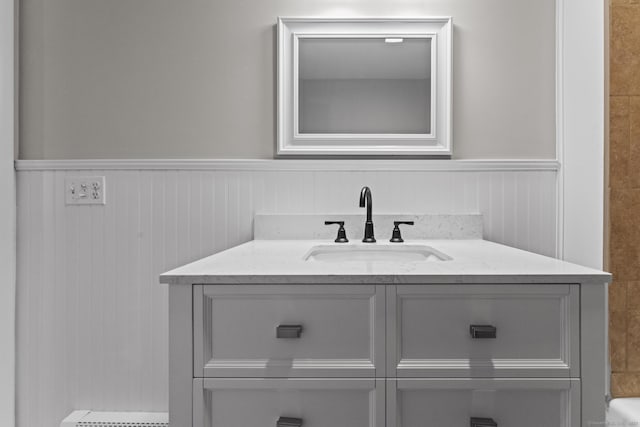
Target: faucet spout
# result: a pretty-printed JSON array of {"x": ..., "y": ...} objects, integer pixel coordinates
[{"x": 366, "y": 200}]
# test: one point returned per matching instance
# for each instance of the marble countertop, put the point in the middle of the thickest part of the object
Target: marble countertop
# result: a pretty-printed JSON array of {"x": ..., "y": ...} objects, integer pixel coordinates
[{"x": 473, "y": 261}]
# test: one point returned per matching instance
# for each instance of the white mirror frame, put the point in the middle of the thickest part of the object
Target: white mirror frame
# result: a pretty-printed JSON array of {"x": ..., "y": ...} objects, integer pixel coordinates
[{"x": 436, "y": 143}]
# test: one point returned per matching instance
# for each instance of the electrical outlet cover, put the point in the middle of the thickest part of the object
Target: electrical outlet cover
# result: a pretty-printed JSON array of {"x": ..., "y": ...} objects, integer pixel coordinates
[{"x": 85, "y": 190}]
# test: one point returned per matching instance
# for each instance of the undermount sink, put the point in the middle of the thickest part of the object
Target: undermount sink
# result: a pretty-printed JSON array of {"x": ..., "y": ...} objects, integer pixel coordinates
[{"x": 374, "y": 253}]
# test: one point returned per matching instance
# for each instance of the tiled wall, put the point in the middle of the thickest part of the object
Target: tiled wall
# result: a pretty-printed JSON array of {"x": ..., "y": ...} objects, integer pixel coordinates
[{"x": 624, "y": 181}]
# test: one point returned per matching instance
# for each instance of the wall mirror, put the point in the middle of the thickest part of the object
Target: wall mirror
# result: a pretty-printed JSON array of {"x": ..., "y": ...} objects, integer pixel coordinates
[{"x": 364, "y": 86}]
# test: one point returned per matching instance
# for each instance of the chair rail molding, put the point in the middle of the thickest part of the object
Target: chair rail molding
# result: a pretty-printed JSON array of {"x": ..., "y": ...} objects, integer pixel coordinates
[{"x": 405, "y": 165}]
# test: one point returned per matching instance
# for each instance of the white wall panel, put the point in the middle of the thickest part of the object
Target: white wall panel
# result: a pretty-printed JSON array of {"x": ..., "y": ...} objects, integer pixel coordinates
[
  {"x": 92, "y": 318},
  {"x": 8, "y": 84}
]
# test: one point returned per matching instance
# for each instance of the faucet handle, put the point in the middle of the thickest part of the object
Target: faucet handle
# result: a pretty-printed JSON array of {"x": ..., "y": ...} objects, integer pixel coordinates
[
  {"x": 396, "y": 237},
  {"x": 342, "y": 234}
]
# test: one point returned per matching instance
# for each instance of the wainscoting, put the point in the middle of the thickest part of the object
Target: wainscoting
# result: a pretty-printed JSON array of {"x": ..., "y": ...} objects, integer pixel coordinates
[{"x": 91, "y": 316}]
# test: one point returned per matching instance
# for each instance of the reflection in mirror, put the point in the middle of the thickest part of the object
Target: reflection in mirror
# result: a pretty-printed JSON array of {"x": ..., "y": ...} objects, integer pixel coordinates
[{"x": 364, "y": 85}]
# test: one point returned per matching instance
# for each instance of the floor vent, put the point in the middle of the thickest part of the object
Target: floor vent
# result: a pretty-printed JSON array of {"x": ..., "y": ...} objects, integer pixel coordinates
[{"x": 116, "y": 419}]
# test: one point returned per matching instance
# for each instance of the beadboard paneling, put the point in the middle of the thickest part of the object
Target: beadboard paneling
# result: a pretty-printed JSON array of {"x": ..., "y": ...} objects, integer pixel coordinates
[{"x": 92, "y": 318}]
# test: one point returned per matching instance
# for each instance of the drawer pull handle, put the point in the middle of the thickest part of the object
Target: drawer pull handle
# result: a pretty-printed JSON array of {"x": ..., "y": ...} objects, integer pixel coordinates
[
  {"x": 288, "y": 331},
  {"x": 482, "y": 331},
  {"x": 289, "y": 422},
  {"x": 483, "y": 422}
]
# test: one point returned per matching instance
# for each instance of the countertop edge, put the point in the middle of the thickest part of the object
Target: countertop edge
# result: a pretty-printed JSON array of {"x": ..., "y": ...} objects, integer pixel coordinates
[{"x": 398, "y": 279}]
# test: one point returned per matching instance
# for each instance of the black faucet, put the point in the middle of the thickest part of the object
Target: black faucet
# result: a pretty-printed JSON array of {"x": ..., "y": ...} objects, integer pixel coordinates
[{"x": 365, "y": 197}]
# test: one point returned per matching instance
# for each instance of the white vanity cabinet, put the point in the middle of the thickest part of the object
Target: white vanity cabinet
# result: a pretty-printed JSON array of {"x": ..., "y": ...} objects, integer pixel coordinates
[
  {"x": 488, "y": 336},
  {"x": 380, "y": 355}
]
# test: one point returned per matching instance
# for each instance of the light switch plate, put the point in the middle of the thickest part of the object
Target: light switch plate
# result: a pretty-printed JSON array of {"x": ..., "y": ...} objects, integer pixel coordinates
[{"x": 85, "y": 190}]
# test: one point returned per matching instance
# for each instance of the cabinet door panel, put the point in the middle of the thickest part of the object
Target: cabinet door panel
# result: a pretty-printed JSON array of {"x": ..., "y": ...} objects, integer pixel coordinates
[
  {"x": 289, "y": 331},
  {"x": 308, "y": 403},
  {"x": 483, "y": 331},
  {"x": 508, "y": 403}
]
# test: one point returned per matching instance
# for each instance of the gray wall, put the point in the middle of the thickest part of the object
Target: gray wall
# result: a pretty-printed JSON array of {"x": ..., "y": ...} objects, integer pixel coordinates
[{"x": 195, "y": 78}]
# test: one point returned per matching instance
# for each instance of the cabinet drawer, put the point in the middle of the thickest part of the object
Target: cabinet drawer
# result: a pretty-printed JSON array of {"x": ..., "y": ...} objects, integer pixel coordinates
[
  {"x": 288, "y": 331},
  {"x": 483, "y": 331},
  {"x": 223, "y": 402},
  {"x": 508, "y": 403}
]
